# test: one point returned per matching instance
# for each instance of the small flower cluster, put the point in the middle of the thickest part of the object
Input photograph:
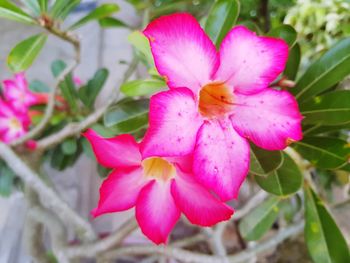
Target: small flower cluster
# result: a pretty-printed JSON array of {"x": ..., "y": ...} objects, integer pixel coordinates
[
  {"x": 14, "y": 108},
  {"x": 195, "y": 154}
]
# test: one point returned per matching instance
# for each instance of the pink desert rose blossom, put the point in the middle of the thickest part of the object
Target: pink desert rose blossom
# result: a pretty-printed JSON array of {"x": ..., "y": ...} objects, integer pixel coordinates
[
  {"x": 13, "y": 124},
  {"x": 217, "y": 100},
  {"x": 160, "y": 188},
  {"x": 16, "y": 92}
]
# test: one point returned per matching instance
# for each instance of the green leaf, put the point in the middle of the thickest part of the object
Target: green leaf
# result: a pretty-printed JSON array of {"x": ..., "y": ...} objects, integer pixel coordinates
[
  {"x": 38, "y": 86},
  {"x": 293, "y": 62},
  {"x": 284, "y": 181},
  {"x": 332, "y": 108},
  {"x": 285, "y": 32},
  {"x": 142, "y": 46},
  {"x": 324, "y": 240},
  {"x": 259, "y": 221},
  {"x": 317, "y": 129},
  {"x": 24, "y": 53},
  {"x": 33, "y": 6},
  {"x": 109, "y": 22},
  {"x": 221, "y": 18},
  {"x": 264, "y": 162},
  {"x": 142, "y": 87},
  {"x": 61, "y": 8},
  {"x": 43, "y": 5},
  {"x": 6, "y": 180},
  {"x": 327, "y": 71},
  {"x": 89, "y": 92},
  {"x": 131, "y": 125},
  {"x": 102, "y": 11},
  {"x": 69, "y": 146},
  {"x": 324, "y": 152},
  {"x": 125, "y": 110},
  {"x": 12, "y": 12},
  {"x": 67, "y": 86}
]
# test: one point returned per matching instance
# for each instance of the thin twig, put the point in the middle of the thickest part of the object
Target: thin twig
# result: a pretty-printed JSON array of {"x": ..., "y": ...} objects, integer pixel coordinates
[
  {"x": 76, "y": 128},
  {"x": 51, "y": 199}
]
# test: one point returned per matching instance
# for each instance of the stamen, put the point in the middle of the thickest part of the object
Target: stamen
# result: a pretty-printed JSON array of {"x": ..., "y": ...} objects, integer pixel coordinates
[{"x": 158, "y": 168}]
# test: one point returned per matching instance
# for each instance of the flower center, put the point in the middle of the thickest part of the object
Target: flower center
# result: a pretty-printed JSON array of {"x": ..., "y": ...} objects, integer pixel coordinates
[
  {"x": 158, "y": 168},
  {"x": 15, "y": 124},
  {"x": 215, "y": 99}
]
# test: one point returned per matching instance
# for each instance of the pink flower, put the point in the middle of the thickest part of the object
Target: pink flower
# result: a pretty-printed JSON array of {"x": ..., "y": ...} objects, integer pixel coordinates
[
  {"x": 13, "y": 124},
  {"x": 17, "y": 93},
  {"x": 217, "y": 100},
  {"x": 159, "y": 187}
]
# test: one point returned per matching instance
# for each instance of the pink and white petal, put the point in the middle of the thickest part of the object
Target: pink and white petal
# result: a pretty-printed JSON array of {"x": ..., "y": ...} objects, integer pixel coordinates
[
  {"x": 120, "y": 151},
  {"x": 270, "y": 118},
  {"x": 120, "y": 190},
  {"x": 182, "y": 52},
  {"x": 197, "y": 204},
  {"x": 156, "y": 211},
  {"x": 221, "y": 158},
  {"x": 173, "y": 124},
  {"x": 249, "y": 62}
]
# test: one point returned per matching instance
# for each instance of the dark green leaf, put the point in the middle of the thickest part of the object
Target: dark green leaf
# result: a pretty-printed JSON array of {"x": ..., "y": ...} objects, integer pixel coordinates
[
  {"x": 125, "y": 110},
  {"x": 24, "y": 53},
  {"x": 324, "y": 152},
  {"x": 221, "y": 18},
  {"x": 68, "y": 8},
  {"x": 264, "y": 162},
  {"x": 109, "y": 22},
  {"x": 103, "y": 171},
  {"x": 317, "y": 129},
  {"x": 327, "y": 71},
  {"x": 284, "y": 181},
  {"x": 61, "y": 8},
  {"x": 142, "y": 87},
  {"x": 324, "y": 240},
  {"x": 87, "y": 148},
  {"x": 332, "y": 108},
  {"x": 38, "y": 86},
  {"x": 285, "y": 32},
  {"x": 6, "y": 180},
  {"x": 102, "y": 11},
  {"x": 10, "y": 11},
  {"x": 69, "y": 146},
  {"x": 259, "y": 221},
  {"x": 131, "y": 125},
  {"x": 293, "y": 62},
  {"x": 89, "y": 92}
]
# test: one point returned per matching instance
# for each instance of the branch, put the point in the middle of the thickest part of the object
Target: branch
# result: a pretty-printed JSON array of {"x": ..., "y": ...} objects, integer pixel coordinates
[
  {"x": 76, "y": 128},
  {"x": 45, "y": 193},
  {"x": 93, "y": 249},
  {"x": 192, "y": 257},
  {"x": 48, "y": 110}
]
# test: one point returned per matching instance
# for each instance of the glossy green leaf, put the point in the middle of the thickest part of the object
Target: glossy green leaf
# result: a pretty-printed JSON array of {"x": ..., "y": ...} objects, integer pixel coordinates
[
  {"x": 259, "y": 221},
  {"x": 284, "y": 181},
  {"x": 6, "y": 180},
  {"x": 67, "y": 86},
  {"x": 142, "y": 87},
  {"x": 89, "y": 92},
  {"x": 125, "y": 110},
  {"x": 318, "y": 129},
  {"x": 142, "y": 46},
  {"x": 327, "y": 71},
  {"x": 102, "y": 11},
  {"x": 286, "y": 32},
  {"x": 131, "y": 125},
  {"x": 221, "y": 18},
  {"x": 263, "y": 162},
  {"x": 324, "y": 152},
  {"x": 24, "y": 53},
  {"x": 10, "y": 11},
  {"x": 293, "y": 62},
  {"x": 332, "y": 108},
  {"x": 69, "y": 146},
  {"x": 61, "y": 8},
  {"x": 324, "y": 240},
  {"x": 43, "y": 5},
  {"x": 110, "y": 22}
]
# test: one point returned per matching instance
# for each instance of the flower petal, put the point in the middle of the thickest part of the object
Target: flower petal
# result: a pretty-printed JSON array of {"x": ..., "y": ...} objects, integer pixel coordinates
[
  {"x": 249, "y": 62},
  {"x": 120, "y": 151},
  {"x": 182, "y": 52},
  {"x": 198, "y": 205},
  {"x": 221, "y": 158},
  {"x": 270, "y": 118},
  {"x": 120, "y": 190},
  {"x": 156, "y": 211},
  {"x": 173, "y": 124}
]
